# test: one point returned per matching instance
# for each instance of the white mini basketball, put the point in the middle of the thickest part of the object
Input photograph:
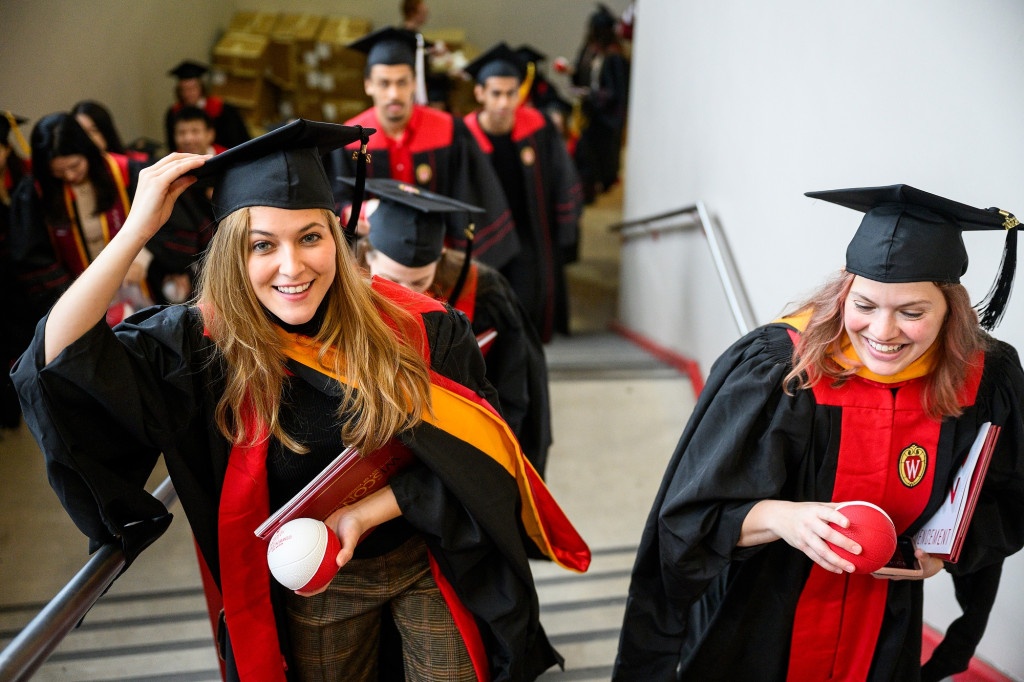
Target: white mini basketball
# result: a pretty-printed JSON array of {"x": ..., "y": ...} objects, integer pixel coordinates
[{"x": 302, "y": 553}]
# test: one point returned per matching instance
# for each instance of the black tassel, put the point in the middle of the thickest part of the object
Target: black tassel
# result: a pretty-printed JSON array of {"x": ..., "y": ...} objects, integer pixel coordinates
[
  {"x": 362, "y": 158},
  {"x": 464, "y": 272},
  {"x": 993, "y": 306}
]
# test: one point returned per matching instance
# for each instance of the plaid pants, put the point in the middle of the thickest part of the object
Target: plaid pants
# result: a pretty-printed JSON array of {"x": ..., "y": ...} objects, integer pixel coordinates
[{"x": 335, "y": 635}]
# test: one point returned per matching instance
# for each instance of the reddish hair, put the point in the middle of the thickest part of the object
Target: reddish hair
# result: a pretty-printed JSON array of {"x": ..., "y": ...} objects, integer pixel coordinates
[{"x": 956, "y": 347}]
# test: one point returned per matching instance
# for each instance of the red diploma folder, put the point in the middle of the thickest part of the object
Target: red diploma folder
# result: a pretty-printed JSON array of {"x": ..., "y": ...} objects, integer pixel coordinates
[
  {"x": 349, "y": 478},
  {"x": 943, "y": 535}
]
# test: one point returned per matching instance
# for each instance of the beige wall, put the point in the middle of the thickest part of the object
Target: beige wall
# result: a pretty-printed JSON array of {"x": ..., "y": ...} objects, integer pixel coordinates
[{"x": 56, "y": 52}]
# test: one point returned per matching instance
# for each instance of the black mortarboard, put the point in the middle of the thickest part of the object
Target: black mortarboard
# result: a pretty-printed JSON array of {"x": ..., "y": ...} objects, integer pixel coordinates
[
  {"x": 188, "y": 69},
  {"x": 408, "y": 226},
  {"x": 282, "y": 168},
  {"x": 602, "y": 17},
  {"x": 501, "y": 60},
  {"x": 908, "y": 235},
  {"x": 387, "y": 46},
  {"x": 528, "y": 53}
]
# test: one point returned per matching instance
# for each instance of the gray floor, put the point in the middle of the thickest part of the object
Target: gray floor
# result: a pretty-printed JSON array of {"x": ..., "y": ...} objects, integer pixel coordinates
[{"x": 617, "y": 413}]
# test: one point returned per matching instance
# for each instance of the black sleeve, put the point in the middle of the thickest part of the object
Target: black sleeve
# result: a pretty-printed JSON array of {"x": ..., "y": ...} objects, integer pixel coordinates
[
  {"x": 515, "y": 365},
  {"x": 230, "y": 128},
  {"x": 743, "y": 440},
  {"x": 102, "y": 431}
]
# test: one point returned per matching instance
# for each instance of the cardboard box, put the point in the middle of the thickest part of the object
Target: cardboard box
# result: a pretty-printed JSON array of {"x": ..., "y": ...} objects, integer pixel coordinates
[
  {"x": 241, "y": 54},
  {"x": 259, "y": 23},
  {"x": 294, "y": 35},
  {"x": 339, "y": 109},
  {"x": 239, "y": 91},
  {"x": 335, "y": 34}
]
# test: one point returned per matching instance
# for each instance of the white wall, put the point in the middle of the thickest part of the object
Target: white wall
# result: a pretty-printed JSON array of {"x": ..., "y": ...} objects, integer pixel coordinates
[{"x": 747, "y": 105}]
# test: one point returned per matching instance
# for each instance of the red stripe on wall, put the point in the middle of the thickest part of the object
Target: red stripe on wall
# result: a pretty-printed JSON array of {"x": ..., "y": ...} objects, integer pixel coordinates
[{"x": 681, "y": 363}]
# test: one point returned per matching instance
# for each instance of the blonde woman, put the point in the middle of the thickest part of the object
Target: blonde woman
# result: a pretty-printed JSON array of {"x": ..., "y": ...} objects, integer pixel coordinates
[{"x": 289, "y": 356}]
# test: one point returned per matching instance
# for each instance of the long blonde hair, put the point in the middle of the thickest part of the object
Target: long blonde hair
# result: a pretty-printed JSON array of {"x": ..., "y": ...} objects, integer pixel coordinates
[
  {"x": 956, "y": 346},
  {"x": 361, "y": 324}
]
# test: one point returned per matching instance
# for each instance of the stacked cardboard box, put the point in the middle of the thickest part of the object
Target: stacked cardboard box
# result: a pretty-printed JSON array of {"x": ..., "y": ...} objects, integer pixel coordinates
[
  {"x": 293, "y": 37},
  {"x": 275, "y": 66}
]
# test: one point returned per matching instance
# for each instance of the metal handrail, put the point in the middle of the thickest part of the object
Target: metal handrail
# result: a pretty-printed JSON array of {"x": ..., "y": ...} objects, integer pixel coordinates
[
  {"x": 37, "y": 640},
  {"x": 721, "y": 255}
]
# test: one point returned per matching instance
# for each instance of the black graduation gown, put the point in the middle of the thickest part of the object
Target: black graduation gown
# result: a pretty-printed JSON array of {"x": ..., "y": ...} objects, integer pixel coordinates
[
  {"x": 444, "y": 160},
  {"x": 515, "y": 360},
  {"x": 721, "y": 612},
  {"x": 604, "y": 109},
  {"x": 546, "y": 198},
  {"x": 101, "y": 435}
]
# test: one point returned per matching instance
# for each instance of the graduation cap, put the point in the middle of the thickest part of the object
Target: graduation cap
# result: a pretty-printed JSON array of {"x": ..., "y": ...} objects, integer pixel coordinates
[
  {"x": 387, "y": 46},
  {"x": 188, "y": 69},
  {"x": 530, "y": 54},
  {"x": 282, "y": 169},
  {"x": 409, "y": 225},
  {"x": 908, "y": 235},
  {"x": 602, "y": 18},
  {"x": 501, "y": 60}
]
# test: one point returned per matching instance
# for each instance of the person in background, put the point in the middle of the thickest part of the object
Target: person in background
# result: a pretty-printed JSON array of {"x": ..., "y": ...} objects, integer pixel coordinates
[
  {"x": 601, "y": 77},
  {"x": 18, "y": 318},
  {"x": 179, "y": 246},
  {"x": 98, "y": 124},
  {"x": 406, "y": 246},
  {"x": 873, "y": 390},
  {"x": 194, "y": 132},
  {"x": 190, "y": 91},
  {"x": 539, "y": 182},
  {"x": 63, "y": 216},
  {"x": 256, "y": 388},
  {"x": 424, "y": 147}
]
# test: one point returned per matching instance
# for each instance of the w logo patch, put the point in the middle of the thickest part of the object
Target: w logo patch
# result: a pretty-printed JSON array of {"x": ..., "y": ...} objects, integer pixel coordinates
[{"x": 913, "y": 464}]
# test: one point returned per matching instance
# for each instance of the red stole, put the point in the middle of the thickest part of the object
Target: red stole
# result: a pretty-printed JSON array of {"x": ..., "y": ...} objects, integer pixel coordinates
[
  {"x": 838, "y": 618},
  {"x": 68, "y": 240}
]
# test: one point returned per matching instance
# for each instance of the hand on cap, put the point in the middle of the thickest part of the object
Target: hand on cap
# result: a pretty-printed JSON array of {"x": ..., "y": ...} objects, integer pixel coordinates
[{"x": 160, "y": 185}]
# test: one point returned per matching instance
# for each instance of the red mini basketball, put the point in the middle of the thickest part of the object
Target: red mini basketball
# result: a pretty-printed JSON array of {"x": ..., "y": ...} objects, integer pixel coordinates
[{"x": 872, "y": 528}]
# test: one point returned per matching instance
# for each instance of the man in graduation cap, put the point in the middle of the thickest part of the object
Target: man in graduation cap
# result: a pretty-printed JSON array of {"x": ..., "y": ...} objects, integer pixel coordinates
[
  {"x": 541, "y": 93},
  {"x": 540, "y": 184},
  {"x": 190, "y": 91},
  {"x": 406, "y": 245},
  {"x": 255, "y": 389},
  {"x": 424, "y": 147},
  {"x": 873, "y": 390}
]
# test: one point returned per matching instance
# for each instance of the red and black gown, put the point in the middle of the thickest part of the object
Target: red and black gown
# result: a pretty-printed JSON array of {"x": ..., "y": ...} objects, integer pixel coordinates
[
  {"x": 471, "y": 495},
  {"x": 546, "y": 199},
  {"x": 436, "y": 152},
  {"x": 721, "y": 612}
]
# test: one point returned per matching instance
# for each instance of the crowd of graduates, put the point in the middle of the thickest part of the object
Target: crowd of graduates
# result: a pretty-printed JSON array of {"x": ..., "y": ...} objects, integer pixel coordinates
[
  {"x": 874, "y": 389},
  {"x": 520, "y": 158}
]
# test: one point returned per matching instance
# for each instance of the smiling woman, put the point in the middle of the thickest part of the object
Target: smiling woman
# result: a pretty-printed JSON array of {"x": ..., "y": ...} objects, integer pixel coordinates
[
  {"x": 820, "y": 408},
  {"x": 289, "y": 356}
]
